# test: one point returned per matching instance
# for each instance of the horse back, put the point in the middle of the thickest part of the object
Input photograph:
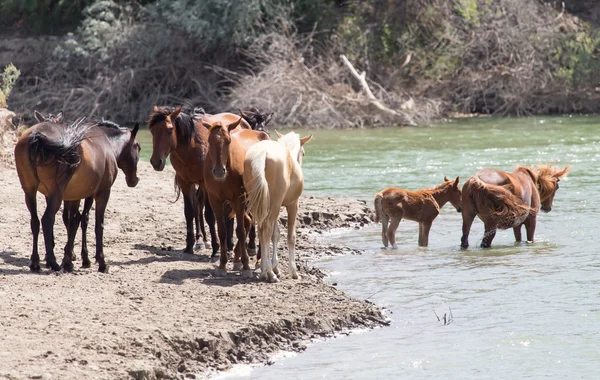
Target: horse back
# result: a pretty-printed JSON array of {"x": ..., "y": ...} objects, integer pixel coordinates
[
  {"x": 226, "y": 118},
  {"x": 412, "y": 205},
  {"x": 241, "y": 141}
]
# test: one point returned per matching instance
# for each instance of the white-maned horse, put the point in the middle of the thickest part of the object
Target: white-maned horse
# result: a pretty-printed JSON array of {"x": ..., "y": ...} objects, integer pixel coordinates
[{"x": 273, "y": 178}]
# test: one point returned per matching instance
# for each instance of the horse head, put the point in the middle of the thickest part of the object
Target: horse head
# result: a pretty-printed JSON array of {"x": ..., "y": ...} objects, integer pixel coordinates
[
  {"x": 57, "y": 119},
  {"x": 454, "y": 193},
  {"x": 547, "y": 179},
  {"x": 164, "y": 136},
  {"x": 258, "y": 121},
  {"x": 129, "y": 157},
  {"x": 219, "y": 141},
  {"x": 294, "y": 143}
]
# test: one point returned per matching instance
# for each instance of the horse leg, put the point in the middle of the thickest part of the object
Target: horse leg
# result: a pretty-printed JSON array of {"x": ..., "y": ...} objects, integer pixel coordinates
[
  {"x": 240, "y": 208},
  {"x": 252, "y": 238},
  {"x": 200, "y": 218},
  {"x": 189, "y": 210},
  {"x": 530, "y": 227},
  {"x": 384, "y": 228},
  {"x": 489, "y": 234},
  {"x": 517, "y": 231},
  {"x": 265, "y": 233},
  {"x": 275, "y": 239},
  {"x": 73, "y": 217},
  {"x": 292, "y": 210},
  {"x": 85, "y": 218},
  {"x": 229, "y": 221},
  {"x": 52, "y": 205},
  {"x": 468, "y": 216},
  {"x": 197, "y": 216},
  {"x": 217, "y": 208},
  {"x": 66, "y": 215},
  {"x": 424, "y": 228},
  {"x": 209, "y": 215},
  {"x": 31, "y": 202},
  {"x": 101, "y": 203},
  {"x": 391, "y": 231}
]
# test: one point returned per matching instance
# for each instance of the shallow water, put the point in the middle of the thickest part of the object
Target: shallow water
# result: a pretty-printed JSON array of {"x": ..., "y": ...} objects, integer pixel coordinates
[{"x": 518, "y": 310}]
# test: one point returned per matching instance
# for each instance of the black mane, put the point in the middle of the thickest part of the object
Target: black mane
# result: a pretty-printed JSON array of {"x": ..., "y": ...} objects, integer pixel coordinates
[
  {"x": 111, "y": 128},
  {"x": 184, "y": 124}
]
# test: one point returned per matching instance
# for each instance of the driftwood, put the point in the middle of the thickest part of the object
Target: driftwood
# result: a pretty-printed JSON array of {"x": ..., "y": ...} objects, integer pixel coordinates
[{"x": 402, "y": 116}]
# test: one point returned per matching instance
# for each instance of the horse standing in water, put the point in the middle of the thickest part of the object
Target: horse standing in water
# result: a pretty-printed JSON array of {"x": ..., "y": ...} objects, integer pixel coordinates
[
  {"x": 71, "y": 163},
  {"x": 423, "y": 206},
  {"x": 223, "y": 173},
  {"x": 273, "y": 179},
  {"x": 504, "y": 200}
]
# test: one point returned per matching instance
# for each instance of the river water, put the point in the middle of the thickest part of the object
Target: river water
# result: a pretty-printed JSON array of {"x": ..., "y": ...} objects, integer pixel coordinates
[{"x": 518, "y": 310}]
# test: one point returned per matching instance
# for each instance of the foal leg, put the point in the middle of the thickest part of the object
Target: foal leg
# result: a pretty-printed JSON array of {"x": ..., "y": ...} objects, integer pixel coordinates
[
  {"x": 52, "y": 205},
  {"x": 384, "y": 227},
  {"x": 275, "y": 240},
  {"x": 391, "y": 231},
  {"x": 73, "y": 217},
  {"x": 292, "y": 213},
  {"x": 424, "y": 228},
  {"x": 85, "y": 218},
  {"x": 468, "y": 216},
  {"x": 31, "y": 202},
  {"x": 101, "y": 203}
]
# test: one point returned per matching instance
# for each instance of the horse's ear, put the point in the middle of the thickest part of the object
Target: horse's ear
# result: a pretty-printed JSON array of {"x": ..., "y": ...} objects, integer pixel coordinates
[
  {"x": 278, "y": 134},
  {"x": 563, "y": 172},
  {"x": 306, "y": 139},
  {"x": 268, "y": 118},
  {"x": 59, "y": 117},
  {"x": 38, "y": 116},
  {"x": 175, "y": 113},
  {"x": 456, "y": 182},
  {"x": 446, "y": 179},
  {"x": 135, "y": 130},
  {"x": 234, "y": 125},
  {"x": 206, "y": 125},
  {"x": 244, "y": 114},
  {"x": 155, "y": 108}
]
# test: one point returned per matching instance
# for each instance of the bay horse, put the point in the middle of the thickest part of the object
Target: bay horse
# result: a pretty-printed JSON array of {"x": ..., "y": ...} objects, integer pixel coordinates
[
  {"x": 70, "y": 163},
  {"x": 40, "y": 117},
  {"x": 503, "y": 200},
  {"x": 223, "y": 174},
  {"x": 257, "y": 120},
  {"x": 273, "y": 179},
  {"x": 423, "y": 206}
]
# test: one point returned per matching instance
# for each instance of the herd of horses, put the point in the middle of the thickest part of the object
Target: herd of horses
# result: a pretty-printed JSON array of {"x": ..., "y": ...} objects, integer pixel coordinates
[
  {"x": 500, "y": 199},
  {"x": 228, "y": 169}
]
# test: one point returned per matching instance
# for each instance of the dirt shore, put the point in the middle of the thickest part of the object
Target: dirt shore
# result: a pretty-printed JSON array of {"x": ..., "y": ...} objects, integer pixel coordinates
[{"x": 160, "y": 313}]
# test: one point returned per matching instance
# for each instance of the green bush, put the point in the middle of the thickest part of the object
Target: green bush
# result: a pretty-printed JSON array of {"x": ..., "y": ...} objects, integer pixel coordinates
[{"x": 7, "y": 81}]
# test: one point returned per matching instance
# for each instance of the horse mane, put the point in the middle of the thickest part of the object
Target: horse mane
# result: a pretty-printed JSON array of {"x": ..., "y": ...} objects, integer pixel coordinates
[
  {"x": 64, "y": 148},
  {"x": 111, "y": 128},
  {"x": 500, "y": 200},
  {"x": 545, "y": 184},
  {"x": 184, "y": 123}
]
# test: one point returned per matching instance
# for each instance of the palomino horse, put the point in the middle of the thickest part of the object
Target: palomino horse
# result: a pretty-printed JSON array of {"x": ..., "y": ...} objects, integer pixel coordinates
[
  {"x": 71, "y": 163},
  {"x": 423, "y": 206},
  {"x": 223, "y": 173},
  {"x": 258, "y": 121},
  {"x": 273, "y": 179},
  {"x": 504, "y": 200},
  {"x": 181, "y": 135}
]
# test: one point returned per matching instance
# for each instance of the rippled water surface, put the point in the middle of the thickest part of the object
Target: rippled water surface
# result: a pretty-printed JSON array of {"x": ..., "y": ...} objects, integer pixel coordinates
[{"x": 518, "y": 310}]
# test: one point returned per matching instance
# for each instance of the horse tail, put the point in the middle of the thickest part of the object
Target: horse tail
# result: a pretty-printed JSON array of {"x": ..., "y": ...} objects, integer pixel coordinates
[
  {"x": 500, "y": 200},
  {"x": 257, "y": 189},
  {"x": 62, "y": 150},
  {"x": 378, "y": 207}
]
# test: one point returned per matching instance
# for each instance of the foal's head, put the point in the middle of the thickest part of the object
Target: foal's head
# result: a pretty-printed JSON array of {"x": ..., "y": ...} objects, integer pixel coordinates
[
  {"x": 294, "y": 144},
  {"x": 547, "y": 184},
  {"x": 454, "y": 192},
  {"x": 219, "y": 142},
  {"x": 40, "y": 117},
  {"x": 129, "y": 157},
  {"x": 164, "y": 137},
  {"x": 258, "y": 121}
]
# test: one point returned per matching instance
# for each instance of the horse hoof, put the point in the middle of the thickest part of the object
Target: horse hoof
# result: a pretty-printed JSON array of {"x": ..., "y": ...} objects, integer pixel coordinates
[
  {"x": 73, "y": 258},
  {"x": 394, "y": 246},
  {"x": 103, "y": 269},
  {"x": 221, "y": 272},
  {"x": 207, "y": 245},
  {"x": 251, "y": 251},
  {"x": 68, "y": 267},
  {"x": 47, "y": 265},
  {"x": 237, "y": 266},
  {"x": 199, "y": 246},
  {"x": 247, "y": 273},
  {"x": 276, "y": 270},
  {"x": 295, "y": 276},
  {"x": 35, "y": 268},
  {"x": 86, "y": 264},
  {"x": 55, "y": 267},
  {"x": 214, "y": 258},
  {"x": 272, "y": 278},
  {"x": 529, "y": 241}
]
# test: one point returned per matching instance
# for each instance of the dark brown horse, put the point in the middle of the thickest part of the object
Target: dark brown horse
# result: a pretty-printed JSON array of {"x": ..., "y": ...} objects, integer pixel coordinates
[
  {"x": 71, "y": 163},
  {"x": 223, "y": 173},
  {"x": 258, "y": 121},
  {"x": 503, "y": 200},
  {"x": 181, "y": 135}
]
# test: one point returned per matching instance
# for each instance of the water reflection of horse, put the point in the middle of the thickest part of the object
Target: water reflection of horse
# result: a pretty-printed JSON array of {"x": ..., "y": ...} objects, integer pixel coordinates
[
  {"x": 503, "y": 200},
  {"x": 273, "y": 179},
  {"x": 223, "y": 175},
  {"x": 423, "y": 206},
  {"x": 71, "y": 163}
]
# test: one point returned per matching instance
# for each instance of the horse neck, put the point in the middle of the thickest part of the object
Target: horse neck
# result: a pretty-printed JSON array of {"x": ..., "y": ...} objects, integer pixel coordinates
[
  {"x": 118, "y": 144},
  {"x": 440, "y": 194}
]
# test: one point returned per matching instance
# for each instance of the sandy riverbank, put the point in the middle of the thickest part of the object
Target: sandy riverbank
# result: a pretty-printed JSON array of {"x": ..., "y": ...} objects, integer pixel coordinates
[{"x": 160, "y": 313}]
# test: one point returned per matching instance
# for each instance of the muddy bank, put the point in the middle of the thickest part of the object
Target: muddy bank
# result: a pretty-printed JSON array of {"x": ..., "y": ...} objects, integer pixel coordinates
[{"x": 160, "y": 313}]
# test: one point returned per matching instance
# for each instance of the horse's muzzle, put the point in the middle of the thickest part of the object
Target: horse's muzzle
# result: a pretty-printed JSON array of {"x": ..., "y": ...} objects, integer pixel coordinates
[
  {"x": 132, "y": 182},
  {"x": 219, "y": 173},
  {"x": 158, "y": 164}
]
